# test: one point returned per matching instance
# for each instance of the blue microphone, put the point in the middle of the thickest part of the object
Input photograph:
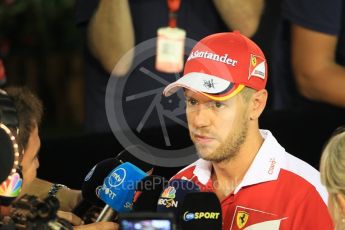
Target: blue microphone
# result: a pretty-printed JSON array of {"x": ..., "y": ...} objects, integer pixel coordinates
[
  {"x": 118, "y": 189},
  {"x": 173, "y": 195}
]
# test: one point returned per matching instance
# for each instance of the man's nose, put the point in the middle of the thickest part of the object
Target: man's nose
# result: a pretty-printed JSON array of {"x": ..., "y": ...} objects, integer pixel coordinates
[{"x": 202, "y": 116}]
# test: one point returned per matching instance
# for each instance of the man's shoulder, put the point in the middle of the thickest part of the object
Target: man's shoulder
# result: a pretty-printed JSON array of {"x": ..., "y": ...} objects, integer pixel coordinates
[
  {"x": 295, "y": 181},
  {"x": 186, "y": 173},
  {"x": 300, "y": 176},
  {"x": 301, "y": 170}
]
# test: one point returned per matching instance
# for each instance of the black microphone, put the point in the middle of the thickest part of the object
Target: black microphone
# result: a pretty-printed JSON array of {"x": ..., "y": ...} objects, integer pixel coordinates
[
  {"x": 94, "y": 179},
  {"x": 148, "y": 191},
  {"x": 92, "y": 182},
  {"x": 6, "y": 155},
  {"x": 201, "y": 210},
  {"x": 173, "y": 195}
]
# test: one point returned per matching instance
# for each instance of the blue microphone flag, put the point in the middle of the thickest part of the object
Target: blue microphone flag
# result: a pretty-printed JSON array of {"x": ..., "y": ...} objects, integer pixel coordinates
[{"x": 119, "y": 186}]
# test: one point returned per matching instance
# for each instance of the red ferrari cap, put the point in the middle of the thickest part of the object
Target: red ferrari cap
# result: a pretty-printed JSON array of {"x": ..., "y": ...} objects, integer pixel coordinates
[{"x": 221, "y": 65}]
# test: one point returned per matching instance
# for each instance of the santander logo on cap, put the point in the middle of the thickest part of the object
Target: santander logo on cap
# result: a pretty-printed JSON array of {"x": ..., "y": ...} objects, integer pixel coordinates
[{"x": 212, "y": 56}]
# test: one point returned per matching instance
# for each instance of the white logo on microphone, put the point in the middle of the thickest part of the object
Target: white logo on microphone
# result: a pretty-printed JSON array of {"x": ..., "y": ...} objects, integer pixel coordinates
[{"x": 117, "y": 177}]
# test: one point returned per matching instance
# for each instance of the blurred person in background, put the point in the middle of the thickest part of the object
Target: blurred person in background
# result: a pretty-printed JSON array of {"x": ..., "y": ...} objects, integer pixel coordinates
[
  {"x": 309, "y": 62},
  {"x": 332, "y": 168},
  {"x": 308, "y": 75}
]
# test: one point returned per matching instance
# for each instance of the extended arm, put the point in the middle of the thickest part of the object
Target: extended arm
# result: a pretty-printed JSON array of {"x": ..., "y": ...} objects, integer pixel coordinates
[
  {"x": 68, "y": 198},
  {"x": 111, "y": 35},
  {"x": 317, "y": 74},
  {"x": 242, "y": 15}
]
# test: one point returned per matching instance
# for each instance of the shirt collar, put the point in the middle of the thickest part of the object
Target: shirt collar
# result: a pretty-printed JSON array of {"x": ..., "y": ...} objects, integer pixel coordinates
[
  {"x": 203, "y": 170},
  {"x": 267, "y": 162},
  {"x": 265, "y": 167}
]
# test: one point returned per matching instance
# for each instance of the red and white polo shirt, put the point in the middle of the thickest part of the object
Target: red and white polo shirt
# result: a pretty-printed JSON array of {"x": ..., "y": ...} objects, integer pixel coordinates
[{"x": 279, "y": 191}]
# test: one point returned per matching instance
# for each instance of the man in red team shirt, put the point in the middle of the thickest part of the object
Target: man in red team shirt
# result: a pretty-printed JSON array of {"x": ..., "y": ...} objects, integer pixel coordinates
[{"x": 259, "y": 185}]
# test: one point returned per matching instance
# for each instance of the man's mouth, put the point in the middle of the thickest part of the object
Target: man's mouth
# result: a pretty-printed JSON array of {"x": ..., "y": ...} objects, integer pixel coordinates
[{"x": 202, "y": 139}]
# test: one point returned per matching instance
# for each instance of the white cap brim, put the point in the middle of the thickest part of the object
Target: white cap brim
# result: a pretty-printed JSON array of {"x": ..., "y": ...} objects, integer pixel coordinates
[{"x": 199, "y": 82}]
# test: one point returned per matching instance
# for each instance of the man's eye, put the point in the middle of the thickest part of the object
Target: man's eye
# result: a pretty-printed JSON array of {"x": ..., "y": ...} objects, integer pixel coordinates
[
  {"x": 192, "y": 101},
  {"x": 218, "y": 104}
]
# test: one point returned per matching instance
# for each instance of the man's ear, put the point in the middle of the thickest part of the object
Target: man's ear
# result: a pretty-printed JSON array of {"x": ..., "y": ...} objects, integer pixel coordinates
[
  {"x": 258, "y": 104},
  {"x": 341, "y": 202}
]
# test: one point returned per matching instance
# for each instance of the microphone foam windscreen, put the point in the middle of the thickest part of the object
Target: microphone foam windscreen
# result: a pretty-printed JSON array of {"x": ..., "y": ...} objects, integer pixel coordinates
[
  {"x": 173, "y": 195},
  {"x": 148, "y": 191},
  {"x": 119, "y": 187},
  {"x": 201, "y": 210},
  {"x": 94, "y": 180},
  {"x": 6, "y": 155}
]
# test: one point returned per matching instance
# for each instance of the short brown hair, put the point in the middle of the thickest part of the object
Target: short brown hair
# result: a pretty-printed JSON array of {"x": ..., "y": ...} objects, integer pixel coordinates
[
  {"x": 29, "y": 110},
  {"x": 247, "y": 93}
]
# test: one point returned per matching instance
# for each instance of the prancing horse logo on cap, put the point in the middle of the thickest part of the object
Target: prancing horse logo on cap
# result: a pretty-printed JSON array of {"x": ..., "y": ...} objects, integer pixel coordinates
[
  {"x": 257, "y": 67},
  {"x": 253, "y": 60}
]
